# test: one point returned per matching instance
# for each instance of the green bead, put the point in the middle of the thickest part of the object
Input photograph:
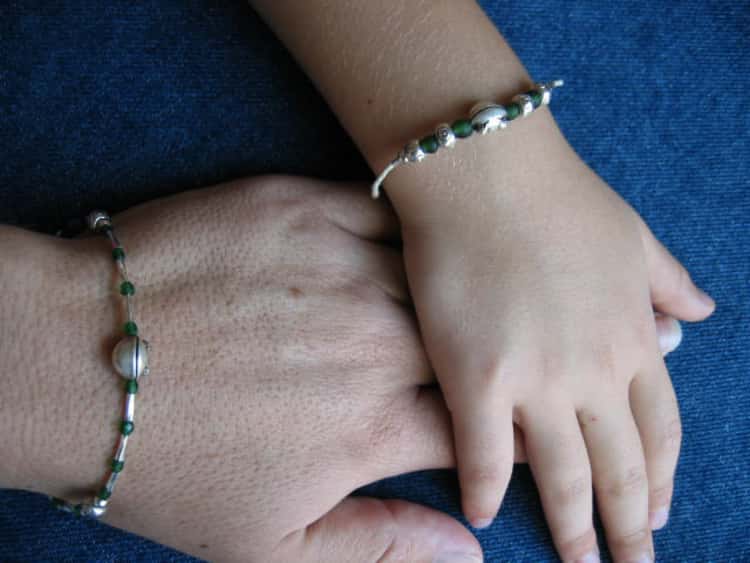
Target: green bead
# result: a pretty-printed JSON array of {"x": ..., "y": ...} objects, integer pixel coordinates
[
  {"x": 126, "y": 428},
  {"x": 117, "y": 465},
  {"x": 536, "y": 97},
  {"x": 429, "y": 144},
  {"x": 131, "y": 329},
  {"x": 127, "y": 288},
  {"x": 57, "y": 502},
  {"x": 77, "y": 509},
  {"x": 104, "y": 493},
  {"x": 131, "y": 386},
  {"x": 118, "y": 253},
  {"x": 462, "y": 128},
  {"x": 513, "y": 111}
]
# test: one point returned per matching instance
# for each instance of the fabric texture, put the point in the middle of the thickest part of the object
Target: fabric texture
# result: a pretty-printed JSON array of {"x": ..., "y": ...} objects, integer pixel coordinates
[{"x": 108, "y": 104}]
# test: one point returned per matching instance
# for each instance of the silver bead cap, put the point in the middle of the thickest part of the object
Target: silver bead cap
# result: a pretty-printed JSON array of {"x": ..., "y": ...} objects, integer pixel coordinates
[
  {"x": 445, "y": 136},
  {"x": 524, "y": 102},
  {"x": 412, "y": 152},
  {"x": 98, "y": 220}
]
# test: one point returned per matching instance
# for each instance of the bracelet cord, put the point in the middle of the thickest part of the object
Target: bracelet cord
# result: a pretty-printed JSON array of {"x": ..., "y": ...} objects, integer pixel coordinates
[
  {"x": 130, "y": 360},
  {"x": 484, "y": 118}
]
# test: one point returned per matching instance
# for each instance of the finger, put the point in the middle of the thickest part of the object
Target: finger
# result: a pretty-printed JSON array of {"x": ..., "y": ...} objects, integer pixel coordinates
[
  {"x": 368, "y": 529},
  {"x": 483, "y": 435},
  {"x": 620, "y": 481},
  {"x": 423, "y": 437},
  {"x": 672, "y": 290},
  {"x": 654, "y": 406},
  {"x": 349, "y": 205},
  {"x": 669, "y": 333},
  {"x": 560, "y": 465}
]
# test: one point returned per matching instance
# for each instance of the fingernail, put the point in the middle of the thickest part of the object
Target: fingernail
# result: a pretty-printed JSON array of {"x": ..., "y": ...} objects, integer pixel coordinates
[
  {"x": 458, "y": 557},
  {"x": 590, "y": 557},
  {"x": 706, "y": 299},
  {"x": 644, "y": 558},
  {"x": 657, "y": 519},
  {"x": 670, "y": 340},
  {"x": 481, "y": 523}
]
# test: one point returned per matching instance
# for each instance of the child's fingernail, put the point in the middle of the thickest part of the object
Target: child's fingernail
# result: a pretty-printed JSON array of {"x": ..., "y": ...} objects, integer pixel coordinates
[
  {"x": 644, "y": 558},
  {"x": 670, "y": 339},
  {"x": 657, "y": 519},
  {"x": 706, "y": 299},
  {"x": 481, "y": 523},
  {"x": 590, "y": 557}
]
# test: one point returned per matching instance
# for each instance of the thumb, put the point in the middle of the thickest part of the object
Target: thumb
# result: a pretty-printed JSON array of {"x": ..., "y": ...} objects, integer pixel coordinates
[
  {"x": 672, "y": 291},
  {"x": 368, "y": 530}
]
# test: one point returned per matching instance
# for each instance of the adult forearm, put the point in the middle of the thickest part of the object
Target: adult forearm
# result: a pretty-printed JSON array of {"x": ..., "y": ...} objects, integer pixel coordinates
[
  {"x": 50, "y": 422},
  {"x": 393, "y": 69}
]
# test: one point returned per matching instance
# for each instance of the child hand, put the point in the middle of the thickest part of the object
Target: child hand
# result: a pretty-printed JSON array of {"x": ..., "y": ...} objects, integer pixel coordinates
[{"x": 534, "y": 284}]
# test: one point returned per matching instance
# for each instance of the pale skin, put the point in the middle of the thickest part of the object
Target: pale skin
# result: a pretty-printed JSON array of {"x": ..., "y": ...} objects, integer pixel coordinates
[
  {"x": 287, "y": 371},
  {"x": 534, "y": 282},
  {"x": 189, "y": 490}
]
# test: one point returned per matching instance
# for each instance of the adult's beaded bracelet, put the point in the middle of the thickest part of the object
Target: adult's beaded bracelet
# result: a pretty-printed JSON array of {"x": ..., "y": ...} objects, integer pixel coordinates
[
  {"x": 130, "y": 360},
  {"x": 484, "y": 118}
]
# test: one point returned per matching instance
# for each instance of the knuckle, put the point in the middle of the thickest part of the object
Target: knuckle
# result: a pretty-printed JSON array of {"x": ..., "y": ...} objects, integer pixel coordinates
[
  {"x": 303, "y": 216},
  {"x": 660, "y": 496},
  {"x": 490, "y": 475},
  {"x": 359, "y": 288},
  {"x": 572, "y": 550},
  {"x": 630, "y": 540},
  {"x": 604, "y": 357},
  {"x": 492, "y": 373},
  {"x": 572, "y": 491},
  {"x": 630, "y": 482}
]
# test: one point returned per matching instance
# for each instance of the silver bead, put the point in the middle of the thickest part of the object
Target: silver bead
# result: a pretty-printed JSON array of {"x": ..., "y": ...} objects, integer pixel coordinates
[
  {"x": 546, "y": 89},
  {"x": 412, "y": 152},
  {"x": 92, "y": 510},
  {"x": 488, "y": 116},
  {"x": 545, "y": 92},
  {"x": 445, "y": 135},
  {"x": 98, "y": 220},
  {"x": 130, "y": 357},
  {"x": 524, "y": 102}
]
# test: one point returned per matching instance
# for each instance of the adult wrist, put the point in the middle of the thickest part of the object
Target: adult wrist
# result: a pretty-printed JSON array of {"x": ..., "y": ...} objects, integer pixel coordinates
[{"x": 53, "y": 418}]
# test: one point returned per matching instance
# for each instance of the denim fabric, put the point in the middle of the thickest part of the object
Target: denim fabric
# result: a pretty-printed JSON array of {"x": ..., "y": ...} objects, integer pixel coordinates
[{"x": 107, "y": 104}]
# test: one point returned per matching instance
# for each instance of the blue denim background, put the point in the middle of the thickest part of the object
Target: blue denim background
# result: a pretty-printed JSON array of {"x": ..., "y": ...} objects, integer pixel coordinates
[{"x": 107, "y": 104}]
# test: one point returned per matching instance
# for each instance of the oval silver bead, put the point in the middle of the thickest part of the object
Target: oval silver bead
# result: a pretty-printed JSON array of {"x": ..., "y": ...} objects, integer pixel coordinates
[
  {"x": 487, "y": 117},
  {"x": 524, "y": 102},
  {"x": 412, "y": 152},
  {"x": 445, "y": 136},
  {"x": 130, "y": 357}
]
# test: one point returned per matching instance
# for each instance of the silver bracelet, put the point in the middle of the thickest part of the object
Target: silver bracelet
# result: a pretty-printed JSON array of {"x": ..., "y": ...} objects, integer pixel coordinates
[
  {"x": 484, "y": 118},
  {"x": 130, "y": 360}
]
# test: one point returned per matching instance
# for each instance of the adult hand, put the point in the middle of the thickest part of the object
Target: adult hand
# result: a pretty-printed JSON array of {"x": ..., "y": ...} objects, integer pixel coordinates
[{"x": 287, "y": 371}]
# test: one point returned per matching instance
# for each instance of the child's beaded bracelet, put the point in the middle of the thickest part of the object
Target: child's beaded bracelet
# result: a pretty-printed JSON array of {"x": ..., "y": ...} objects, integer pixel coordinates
[
  {"x": 484, "y": 118},
  {"x": 130, "y": 360}
]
